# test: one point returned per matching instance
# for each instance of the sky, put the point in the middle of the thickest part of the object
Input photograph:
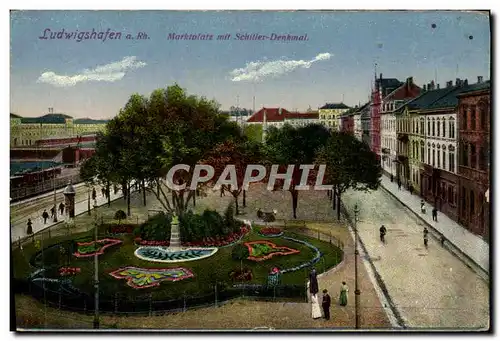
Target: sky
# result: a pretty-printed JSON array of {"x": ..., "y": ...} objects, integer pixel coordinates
[{"x": 94, "y": 78}]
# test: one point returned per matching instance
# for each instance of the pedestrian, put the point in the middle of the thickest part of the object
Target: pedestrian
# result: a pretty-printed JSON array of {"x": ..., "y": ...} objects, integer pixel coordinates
[
  {"x": 61, "y": 208},
  {"x": 392, "y": 178},
  {"x": 315, "y": 308},
  {"x": 344, "y": 289},
  {"x": 435, "y": 214},
  {"x": 115, "y": 189},
  {"x": 422, "y": 206},
  {"x": 313, "y": 282},
  {"x": 326, "y": 304},
  {"x": 45, "y": 216},
  {"x": 30, "y": 227},
  {"x": 426, "y": 237},
  {"x": 399, "y": 184},
  {"x": 411, "y": 189},
  {"x": 383, "y": 231},
  {"x": 52, "y": 211},
  {"x": 103, "y": 191},
  {"x": 94, "y": 194}
]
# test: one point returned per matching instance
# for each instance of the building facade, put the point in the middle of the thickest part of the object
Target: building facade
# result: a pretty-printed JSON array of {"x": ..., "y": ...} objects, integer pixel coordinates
[
  {"x": 278, "y": 117},
  {"x": 473, "y": 123},
  {"x": 25, "y": 131},
  {"x": 329, "y": 114},
  {"x": 394, "y": 132}
]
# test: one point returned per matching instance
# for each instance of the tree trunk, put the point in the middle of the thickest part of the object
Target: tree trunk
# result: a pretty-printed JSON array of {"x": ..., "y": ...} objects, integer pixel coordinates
[
  {"x": 244, "y": 198},
  {"x": 128, "y": 200},
  {"x": 88, "y": 202},
  {"x": 158, "y": 188},
  {"x": 144, "y": 192},
  {"x": 236, "y": 204},
  {"x": 194, "y": 199},
  {"x": 124, "y": 190},
  {"x": 334, "y": 198},
  {"x": 338, "y": 206},
  {"x": 108, "y": 193},
  {"x": 295, "y": 197}
]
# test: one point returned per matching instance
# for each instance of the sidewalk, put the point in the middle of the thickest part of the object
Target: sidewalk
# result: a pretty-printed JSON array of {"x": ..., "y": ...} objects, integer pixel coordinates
[
  {"x": 467, "y": 243},
  {"x": 18, "y": 232}
]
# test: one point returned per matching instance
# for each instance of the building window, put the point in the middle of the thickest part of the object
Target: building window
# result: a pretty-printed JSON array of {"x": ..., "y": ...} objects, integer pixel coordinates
[
  {"x": 473, "y": 156},
  {"x": 482, "y": 114},
  {"x": 438, "y": 159},
  {"x": 422, "y": 152},
  {"x": 473, "y": 117},
  {"x": 429, "y": 155},
  {"x": 450, "y": 195},
  {"x": 472, "y": 200},
  {"x": 433, "y": 127},
  {"x": 428, "y": 127},
  {"x": 416, "y": 126},
  {"x": 444, "y": 159},
  {"x": 464, "y": 118},
  {"x": 438, "y": 127},
  {"x": 482, "y": 159},
  {"x": 465, "y": 154},
  {"x": 433, "y": 157},
  {"x": 451, "y": 159},
  {"x": 444, "y": 127}
]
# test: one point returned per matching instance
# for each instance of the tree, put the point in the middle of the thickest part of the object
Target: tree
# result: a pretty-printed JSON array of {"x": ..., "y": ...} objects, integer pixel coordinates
[
  {"x": 295, "y": 146},
  {"x": 253, "y": 132},
  {"x": 238, "y": 153},
  {"x": 349, "y": 164}
]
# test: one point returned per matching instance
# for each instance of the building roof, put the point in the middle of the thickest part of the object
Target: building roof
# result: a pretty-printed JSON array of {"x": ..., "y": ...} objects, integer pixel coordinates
[
  {"x": 302, "y": 116},
  {"x": 476, "y": 87},
  {"x": 272, "y": 115},
  {"x": 14, "y": 116},
  {"x": 47, "y": 119},
  {"x": 427, "y": 98},
  {"x": 387, "y": 85},
  {"x": 335, "y": 106},
  {"x": 89, "y": 121},
  {"x": 405, "y": 91}
]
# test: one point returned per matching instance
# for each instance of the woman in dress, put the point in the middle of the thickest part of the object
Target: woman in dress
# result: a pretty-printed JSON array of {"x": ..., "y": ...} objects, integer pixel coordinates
[
  {"x": 315, "y": 308},
  {"x": 343, "y": 294}
]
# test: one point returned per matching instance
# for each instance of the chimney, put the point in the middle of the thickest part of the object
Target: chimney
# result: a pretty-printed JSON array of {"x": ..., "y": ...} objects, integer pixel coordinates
[
  {"x": 425, "y": 87},
  {"x": 380, "y": 76},
  {"x": 466, "y": 82},
  {"x": 449, "y": 84},
  {"x": 409, "y": 80},
  {"x": 457, "y": 82},
  {"x": 479, "y": 79},
  {"x": 437, "y": 86},
  {"x": 433, "y": 85},
  {"x": 279, "y": 111}
]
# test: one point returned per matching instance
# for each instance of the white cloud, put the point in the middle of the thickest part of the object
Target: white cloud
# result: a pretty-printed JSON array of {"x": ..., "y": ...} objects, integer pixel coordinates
[
  {"x": 256, "y": 71},
  {"x": 111, "y": 72}
]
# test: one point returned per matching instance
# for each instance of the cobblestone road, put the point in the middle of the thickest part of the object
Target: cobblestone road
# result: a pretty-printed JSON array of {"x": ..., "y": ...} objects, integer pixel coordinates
[{"x": 430, "y": 288}]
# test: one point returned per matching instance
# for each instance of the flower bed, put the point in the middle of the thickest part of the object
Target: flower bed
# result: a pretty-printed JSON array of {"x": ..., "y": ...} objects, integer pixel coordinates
[
  {"x": 67, "y": 271},
  {"x": 219, "y": 241},
  {"x": 121, "y": 229},
  {"x": 88, "y": 249},
  {"x": 261, "y": 250},
  {"x": 142, "y": 242},
  {"x": 308, "y": 263},
  {"x": 271, "y": 232},
  {"x": 140, "y": 278}
]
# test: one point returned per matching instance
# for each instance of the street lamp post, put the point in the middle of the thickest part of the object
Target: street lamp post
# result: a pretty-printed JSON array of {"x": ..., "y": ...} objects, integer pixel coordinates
[
  {"x": 96, "y": 273},
  {"x": 55, "y": 197},
  {"x": 356, "y": 254}
]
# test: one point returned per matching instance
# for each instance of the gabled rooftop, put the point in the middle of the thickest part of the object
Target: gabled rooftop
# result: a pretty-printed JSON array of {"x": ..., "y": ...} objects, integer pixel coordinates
[{"x": 335, "y": 106}]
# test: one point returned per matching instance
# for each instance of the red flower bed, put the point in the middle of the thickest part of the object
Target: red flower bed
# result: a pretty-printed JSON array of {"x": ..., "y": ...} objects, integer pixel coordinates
[
  {"x": 220, "y": 241},
  {"x": 65, "y": 271},
  {"x": 118, "y": 229},
  {"x": 142, "y": 242},
  {"x": 271, "y": 231}
]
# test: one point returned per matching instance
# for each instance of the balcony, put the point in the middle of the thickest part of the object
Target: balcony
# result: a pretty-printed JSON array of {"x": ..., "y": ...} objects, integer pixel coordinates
[{"x": 386, "y": 150}]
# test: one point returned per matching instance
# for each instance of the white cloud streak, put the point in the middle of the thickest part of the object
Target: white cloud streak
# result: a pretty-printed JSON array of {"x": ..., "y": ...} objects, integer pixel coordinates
[
  {"x": 111, "y": 72},
  {"x": 257, "y": 71}
]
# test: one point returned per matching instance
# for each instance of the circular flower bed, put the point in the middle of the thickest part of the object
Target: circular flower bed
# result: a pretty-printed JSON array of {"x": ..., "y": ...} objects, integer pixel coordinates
[
  {"x": 313, "y": 261},
  {"x": 271, "y": 232}
]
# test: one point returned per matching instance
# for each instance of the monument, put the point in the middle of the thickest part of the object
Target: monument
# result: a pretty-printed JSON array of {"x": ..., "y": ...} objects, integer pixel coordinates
[
  {"x": 69, "y": 201},
  {"x": 175, "y": 241}
]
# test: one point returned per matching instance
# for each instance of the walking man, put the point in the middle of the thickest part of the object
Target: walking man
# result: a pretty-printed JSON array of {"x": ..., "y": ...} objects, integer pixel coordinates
[
  {"x": 383, "y": 231},
  {"x": 94, "y": 194},
  {"x": 411, "y": 189},
  {"x": 45, "y": 216},
  {"x": 61, "y": 208},
  {"x": 326, "y": 304},
  {"x": 435, "y": 214},
  {"x": 52, "y": 211},
  {"x": 399, "y": 184},
  {"x": 426, "y": 237}
]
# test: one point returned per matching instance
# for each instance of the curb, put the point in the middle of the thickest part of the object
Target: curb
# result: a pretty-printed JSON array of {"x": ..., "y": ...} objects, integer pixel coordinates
[{"x": 448, "y": 245}]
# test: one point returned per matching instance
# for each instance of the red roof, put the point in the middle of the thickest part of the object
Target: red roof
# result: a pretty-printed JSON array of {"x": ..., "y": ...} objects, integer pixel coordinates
[
  {"x": 273, "y": 115},
  {"x": 405, "y": 91}
]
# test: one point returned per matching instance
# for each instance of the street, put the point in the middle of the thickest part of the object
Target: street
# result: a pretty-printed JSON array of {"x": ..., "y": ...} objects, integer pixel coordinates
[{"x": 430, "y": 288}]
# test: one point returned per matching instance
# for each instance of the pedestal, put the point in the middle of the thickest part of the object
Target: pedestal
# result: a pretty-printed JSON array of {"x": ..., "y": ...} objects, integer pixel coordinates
[
  {"x": 69, "y": 201},
  {"x": 175, "y": 240}
]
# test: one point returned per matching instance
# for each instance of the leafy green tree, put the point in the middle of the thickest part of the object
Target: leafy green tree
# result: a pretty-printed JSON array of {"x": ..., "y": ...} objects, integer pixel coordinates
[
  {"x": 253, "y": 132},
  {"x": 295, "y": 146},
  {"x": 349, "y": 164}
]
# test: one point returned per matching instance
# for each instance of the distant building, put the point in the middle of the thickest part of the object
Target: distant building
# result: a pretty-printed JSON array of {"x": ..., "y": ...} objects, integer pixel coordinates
[
  {"x": 278, "y": 117},
  {"x": 329, "y": 114},
  {"x": 25, "y": 131}
]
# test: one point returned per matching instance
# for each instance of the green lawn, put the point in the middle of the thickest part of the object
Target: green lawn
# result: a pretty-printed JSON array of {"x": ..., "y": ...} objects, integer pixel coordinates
[{"x": 206, "y": 271}]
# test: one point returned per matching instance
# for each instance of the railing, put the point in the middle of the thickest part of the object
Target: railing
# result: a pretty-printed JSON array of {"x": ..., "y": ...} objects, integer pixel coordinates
[{"x": 46, "y": 186}]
